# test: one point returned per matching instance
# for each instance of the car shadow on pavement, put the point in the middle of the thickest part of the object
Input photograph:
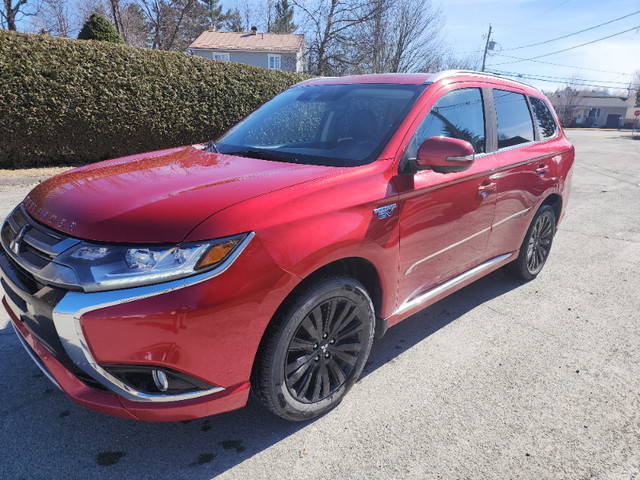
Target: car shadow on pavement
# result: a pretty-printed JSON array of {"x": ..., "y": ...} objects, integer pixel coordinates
[
  {"x": 45, "y": 435},
  {"x": 421, "y": 325}
]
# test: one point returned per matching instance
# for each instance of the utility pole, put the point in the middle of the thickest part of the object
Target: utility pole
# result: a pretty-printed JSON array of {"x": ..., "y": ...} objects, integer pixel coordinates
[{"x": 486, "y": 46}]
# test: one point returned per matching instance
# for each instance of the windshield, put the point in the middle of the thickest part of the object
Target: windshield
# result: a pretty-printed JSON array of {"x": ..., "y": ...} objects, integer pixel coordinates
[{"x": 338, "y": 125}]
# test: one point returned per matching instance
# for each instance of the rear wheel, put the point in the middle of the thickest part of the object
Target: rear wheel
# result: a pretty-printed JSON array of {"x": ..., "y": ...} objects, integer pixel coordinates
[
  {"x": 536, "y": 245},
  {"x": 316, "y": 351}
]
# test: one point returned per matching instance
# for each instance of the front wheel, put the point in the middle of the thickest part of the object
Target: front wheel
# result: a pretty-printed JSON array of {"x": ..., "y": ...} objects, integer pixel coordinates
[
  {"x": 316, "y": 350},
  {"x": 536, "y": 245}
]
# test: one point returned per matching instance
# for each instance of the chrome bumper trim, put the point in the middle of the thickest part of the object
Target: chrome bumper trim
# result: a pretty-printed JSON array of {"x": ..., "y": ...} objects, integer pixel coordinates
[
  {"x": 67, "y": 314},
  {"x": 35, "y": 359}
]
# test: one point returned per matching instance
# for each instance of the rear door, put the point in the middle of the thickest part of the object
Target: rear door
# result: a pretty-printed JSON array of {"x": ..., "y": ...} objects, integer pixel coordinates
[{"x": 526, "y": 165}]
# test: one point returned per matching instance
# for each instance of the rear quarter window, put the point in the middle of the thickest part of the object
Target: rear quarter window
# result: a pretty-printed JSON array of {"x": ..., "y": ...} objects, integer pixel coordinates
[
  {"x": 514, "y": 119},
  {"x": 546, "y": 123}
]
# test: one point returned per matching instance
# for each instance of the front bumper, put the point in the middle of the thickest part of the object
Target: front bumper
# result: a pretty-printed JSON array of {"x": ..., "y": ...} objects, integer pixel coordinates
[
  {"x": 196, "y": 326},
  {"x": 114, "y": 405}
]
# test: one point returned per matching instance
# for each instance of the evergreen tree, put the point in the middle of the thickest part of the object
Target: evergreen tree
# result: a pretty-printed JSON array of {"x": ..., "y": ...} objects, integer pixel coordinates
[
  {"x": 233, "y": 21},
  {"x": 99, "y": 28},
  {"x": 214, "y": 13},
  {"x": 284, "y": 18}
]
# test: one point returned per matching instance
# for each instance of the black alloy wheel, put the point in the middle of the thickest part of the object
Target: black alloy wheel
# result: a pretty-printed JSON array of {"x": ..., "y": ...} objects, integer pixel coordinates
[
  {"x": 536, "y": 245},
  {"x": 315, "y": 351},
  {"x": 324, "y": 350}
]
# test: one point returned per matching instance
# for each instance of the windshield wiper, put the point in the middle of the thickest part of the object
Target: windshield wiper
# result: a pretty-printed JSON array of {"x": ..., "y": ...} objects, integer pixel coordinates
[
  {"x": 211, "y": 145},
  {"x": 266, "y": 156}
]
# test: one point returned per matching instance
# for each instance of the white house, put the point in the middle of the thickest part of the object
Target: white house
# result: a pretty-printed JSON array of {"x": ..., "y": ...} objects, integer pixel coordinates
[
  {"x": 268, "y": 50},
  {"x": 595, "y": 110}
]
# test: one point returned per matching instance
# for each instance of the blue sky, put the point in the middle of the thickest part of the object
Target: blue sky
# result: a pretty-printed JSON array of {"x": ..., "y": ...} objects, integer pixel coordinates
[
  {"x": 515, "y": 23},
  {"x": 518, "y": 23}
]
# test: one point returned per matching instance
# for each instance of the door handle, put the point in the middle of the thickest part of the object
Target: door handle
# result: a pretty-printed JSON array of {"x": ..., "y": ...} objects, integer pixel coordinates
[
  {"x": 542, "y": 169},
  {"x": 487, "y": 187}
]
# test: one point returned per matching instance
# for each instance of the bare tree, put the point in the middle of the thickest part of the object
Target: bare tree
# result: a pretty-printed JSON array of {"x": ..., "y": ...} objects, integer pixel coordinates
[
  {"x": 567, "y": 100},
  {"x": 164, "y": 19},
  {"x": 444, "y": 60},
  {"x": 402, "y": 36},
  {"x": 333, "y": 43},
  {"x": 135, "y": 30},
  {"x": 267, "y": 12},
  {"x": 247, "y": 8},
  {"x": 54, "y": 18},
  {"x": 10, "y": 11},
  {"x": 86, "y": 7}
]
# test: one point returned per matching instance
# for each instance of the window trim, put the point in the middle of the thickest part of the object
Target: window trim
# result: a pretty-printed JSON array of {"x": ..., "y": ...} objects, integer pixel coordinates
[
  {"x": 534, "y": 123},
  {"x": 539, "y": 137},
  {"x": 276, "y": 59},
  {"x": 405, "y": 166},
  {"x": 225, "y": 56}
]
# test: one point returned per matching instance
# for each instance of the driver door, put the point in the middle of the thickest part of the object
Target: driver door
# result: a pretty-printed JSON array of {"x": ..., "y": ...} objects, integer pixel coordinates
[{"x": 445, "y": 218}]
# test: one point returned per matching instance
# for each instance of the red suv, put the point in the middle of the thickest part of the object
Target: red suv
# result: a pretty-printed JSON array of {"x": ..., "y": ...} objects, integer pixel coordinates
[{"x": 162, "y": 286}]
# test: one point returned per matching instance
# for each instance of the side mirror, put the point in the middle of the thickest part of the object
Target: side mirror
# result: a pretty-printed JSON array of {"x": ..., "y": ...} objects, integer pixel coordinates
[{"x": 445, "y": 155}]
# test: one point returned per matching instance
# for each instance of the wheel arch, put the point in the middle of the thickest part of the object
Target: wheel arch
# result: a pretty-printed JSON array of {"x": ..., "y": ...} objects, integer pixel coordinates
[
  {"x": 554, "y": 201},
  {"x": 357, "y": 268}
]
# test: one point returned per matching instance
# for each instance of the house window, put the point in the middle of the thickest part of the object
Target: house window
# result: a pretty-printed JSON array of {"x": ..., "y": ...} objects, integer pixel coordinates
[
  {"x": 594, "y": 113},
  {"x": 274, "y": 62},
  {"x": 221, "y": 56}
]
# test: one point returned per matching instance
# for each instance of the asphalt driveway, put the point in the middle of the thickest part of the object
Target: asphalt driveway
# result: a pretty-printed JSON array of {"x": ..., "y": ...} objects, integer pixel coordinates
[{"x": 501, "y": 380}]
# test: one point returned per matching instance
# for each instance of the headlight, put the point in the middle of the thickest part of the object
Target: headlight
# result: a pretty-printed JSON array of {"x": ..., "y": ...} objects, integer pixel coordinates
[{"x": 108, "y": 267}]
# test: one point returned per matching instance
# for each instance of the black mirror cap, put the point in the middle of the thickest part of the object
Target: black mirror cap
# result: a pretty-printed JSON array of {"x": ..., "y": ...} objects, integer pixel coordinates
[{"x": 445, "y": 155}]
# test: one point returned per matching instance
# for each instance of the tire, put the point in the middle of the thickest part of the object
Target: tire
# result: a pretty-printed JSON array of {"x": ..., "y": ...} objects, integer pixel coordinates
[
  {"x": 536, "y": 245},
  {"x": 314, "y": 353}
]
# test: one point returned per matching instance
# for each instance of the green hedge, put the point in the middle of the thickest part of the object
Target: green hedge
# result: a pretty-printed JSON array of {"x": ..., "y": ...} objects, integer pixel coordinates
[{"x": 72, "y": 102}]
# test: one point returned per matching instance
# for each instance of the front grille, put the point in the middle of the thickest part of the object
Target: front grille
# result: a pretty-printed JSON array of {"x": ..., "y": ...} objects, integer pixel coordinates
[
  {"x": 30, "y": 247},
  {"x": 27, "y": 280}
]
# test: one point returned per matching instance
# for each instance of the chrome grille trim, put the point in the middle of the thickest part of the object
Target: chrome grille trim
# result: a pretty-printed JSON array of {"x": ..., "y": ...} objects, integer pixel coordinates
[{"x": 36, "y": 240}]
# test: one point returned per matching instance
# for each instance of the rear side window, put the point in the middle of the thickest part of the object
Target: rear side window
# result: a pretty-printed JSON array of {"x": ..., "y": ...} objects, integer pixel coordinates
[
  {"x": 514, "y": 119},
  {"x": 457, "y": 114},
  {"x": 546, "y": 123}
]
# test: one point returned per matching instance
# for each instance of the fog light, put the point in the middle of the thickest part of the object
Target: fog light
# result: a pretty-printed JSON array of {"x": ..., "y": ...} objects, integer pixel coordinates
[
  {"x": 160, "y": 380},
  {"x": 156, "y": 380}
]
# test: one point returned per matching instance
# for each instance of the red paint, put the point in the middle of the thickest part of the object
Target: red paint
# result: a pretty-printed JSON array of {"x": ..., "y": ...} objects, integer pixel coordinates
[{"x": 305, "y": 217}]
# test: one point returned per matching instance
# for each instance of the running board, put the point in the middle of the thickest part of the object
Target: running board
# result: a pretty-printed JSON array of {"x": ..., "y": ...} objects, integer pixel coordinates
[{"x": 410, "y": 304}]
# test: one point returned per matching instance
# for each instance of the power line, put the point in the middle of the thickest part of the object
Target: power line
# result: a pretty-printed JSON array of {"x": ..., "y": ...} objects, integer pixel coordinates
[
  {"x": 531, "y": 77},
  {"x": 543, "y": 13},
  {"x": 551, "y": 77},
  {"x": 570, "y": 48},
  {"x": 572, "y": 34},
  {"x": 564, "y": 65}
]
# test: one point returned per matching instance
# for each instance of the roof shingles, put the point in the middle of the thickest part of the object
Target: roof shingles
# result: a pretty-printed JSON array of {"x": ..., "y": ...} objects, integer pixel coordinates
[{"x": 268, "y": 42}]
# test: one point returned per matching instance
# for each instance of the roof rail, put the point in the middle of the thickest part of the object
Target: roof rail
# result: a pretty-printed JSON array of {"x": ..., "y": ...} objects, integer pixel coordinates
[{"x": 456, "y": 73}]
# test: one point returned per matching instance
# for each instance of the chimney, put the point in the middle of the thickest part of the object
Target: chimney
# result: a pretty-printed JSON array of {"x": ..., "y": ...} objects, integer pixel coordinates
[
  {"x": 211, "y": 28},
  {"x": 254, "y": 30}
]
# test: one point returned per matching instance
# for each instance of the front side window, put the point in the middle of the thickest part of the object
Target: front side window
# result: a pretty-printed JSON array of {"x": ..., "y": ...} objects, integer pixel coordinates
[
  {"x": 457, "y": 114},
  {"x": 514, "y": 119},
  {"x": 340, "y": 125},
  {"x": 546, "y": 123},
  {"x": 594, "y": 113}
]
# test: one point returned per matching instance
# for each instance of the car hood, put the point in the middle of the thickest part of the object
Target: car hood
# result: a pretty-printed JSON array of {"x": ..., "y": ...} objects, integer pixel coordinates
[{"x": 157, "y": 197}]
